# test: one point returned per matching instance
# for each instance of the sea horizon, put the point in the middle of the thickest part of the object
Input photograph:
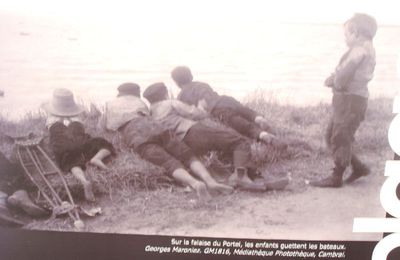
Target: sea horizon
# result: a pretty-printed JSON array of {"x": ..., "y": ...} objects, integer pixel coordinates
[{"x": 286, "y": 60}]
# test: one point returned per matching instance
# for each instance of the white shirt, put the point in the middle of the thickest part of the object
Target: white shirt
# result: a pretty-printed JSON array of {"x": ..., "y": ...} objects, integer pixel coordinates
[{"x": 122, "y": 110}]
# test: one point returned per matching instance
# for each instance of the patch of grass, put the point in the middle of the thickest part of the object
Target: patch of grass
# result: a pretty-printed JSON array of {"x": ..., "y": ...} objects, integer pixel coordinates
[
  {"x": 129, "y": 171},
  {"x": 145, "y": 190}
]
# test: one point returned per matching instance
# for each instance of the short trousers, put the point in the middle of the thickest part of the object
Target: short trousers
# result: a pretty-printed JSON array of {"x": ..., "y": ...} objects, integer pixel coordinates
[
  {"x": 155, "y": 154},
  {"x": 201, "y": 138},
  {"x": 72, "y": 147}
]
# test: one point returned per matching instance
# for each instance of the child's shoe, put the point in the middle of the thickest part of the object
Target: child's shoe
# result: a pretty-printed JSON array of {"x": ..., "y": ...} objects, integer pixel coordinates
[
  {"x": 358, "y": 172},
  {"x": 335, "y": 180},
  {"x": 330, "y": 181}
]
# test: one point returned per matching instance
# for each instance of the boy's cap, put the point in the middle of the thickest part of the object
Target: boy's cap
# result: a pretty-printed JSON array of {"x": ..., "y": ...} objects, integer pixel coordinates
[
  {"x": 129, "y": 89},
  {"x": 182, "y": 75},
  {"x": 155, "y": 92},
  {"x": 365, "y": 24}
]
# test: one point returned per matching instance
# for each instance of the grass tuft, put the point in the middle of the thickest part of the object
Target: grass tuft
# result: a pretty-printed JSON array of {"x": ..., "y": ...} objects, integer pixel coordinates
[{"x": 132, "y": 178}]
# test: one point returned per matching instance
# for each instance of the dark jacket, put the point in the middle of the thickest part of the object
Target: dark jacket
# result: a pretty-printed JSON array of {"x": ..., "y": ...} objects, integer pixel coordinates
[{"x": 195, "y": 91}]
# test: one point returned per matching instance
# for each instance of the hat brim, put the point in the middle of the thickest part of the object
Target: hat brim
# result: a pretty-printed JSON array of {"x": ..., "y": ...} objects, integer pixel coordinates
[{"x": 73, "y": 111}]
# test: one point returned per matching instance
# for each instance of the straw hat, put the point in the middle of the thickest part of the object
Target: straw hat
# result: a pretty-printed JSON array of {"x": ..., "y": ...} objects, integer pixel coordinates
[{"x": 63, "y": 104}]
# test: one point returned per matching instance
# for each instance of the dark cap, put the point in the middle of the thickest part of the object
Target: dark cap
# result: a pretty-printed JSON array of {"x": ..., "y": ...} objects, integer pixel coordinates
[
  {"x": 155, "y": 92},
  {"x": 132, "y": 89},
  {"x": 182, "y": 75}
]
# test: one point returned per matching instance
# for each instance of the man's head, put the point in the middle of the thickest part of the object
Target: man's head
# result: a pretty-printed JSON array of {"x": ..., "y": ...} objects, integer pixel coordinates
[
  {"x": 360, "y": 26},
  {"x": 129, "y": 89},
  {"x": 181, "y": 75},
  {"x": 156, "y": 92}
]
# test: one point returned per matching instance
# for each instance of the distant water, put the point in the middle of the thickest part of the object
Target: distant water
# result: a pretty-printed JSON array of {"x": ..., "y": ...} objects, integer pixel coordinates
[{"x": 287, "y": 61}]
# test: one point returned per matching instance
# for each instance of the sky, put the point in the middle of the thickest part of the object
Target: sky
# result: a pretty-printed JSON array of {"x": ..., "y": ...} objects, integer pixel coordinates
[{"x": 222, "y": 11}]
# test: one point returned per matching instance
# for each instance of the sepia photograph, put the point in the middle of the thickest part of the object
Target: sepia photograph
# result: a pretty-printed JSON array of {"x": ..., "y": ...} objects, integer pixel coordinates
[{"x": 236, "y": 119}]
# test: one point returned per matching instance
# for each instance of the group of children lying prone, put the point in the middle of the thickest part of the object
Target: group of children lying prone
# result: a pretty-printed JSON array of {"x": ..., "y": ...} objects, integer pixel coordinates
[{"x": 169, "y": 134}]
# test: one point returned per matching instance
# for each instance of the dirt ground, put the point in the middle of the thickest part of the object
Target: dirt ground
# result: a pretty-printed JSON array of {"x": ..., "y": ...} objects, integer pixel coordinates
[{"x": 298, "y": 212}]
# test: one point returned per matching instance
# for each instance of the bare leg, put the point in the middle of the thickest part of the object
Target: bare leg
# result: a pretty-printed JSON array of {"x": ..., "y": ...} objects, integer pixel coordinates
[
  {"x": 87, "y": 186},
  {"x": 201, "y": 171},
  {"x": 97, "y": 160},
  {"x": 184, "y": 177}
]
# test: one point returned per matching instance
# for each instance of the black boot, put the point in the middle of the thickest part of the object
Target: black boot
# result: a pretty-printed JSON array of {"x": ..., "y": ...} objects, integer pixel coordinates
[
  {"x": 333, "y": 181},
  {"x": 359, "y": 170}
]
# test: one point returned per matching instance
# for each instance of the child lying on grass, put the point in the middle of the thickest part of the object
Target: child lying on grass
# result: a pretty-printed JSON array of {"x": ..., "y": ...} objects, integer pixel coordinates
[
  {"x": 179, "y": 117},
  {"x": 72, "y": 147},
  {"x": 129, "y": 115},
  {"x": 224, "y": 108}
]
